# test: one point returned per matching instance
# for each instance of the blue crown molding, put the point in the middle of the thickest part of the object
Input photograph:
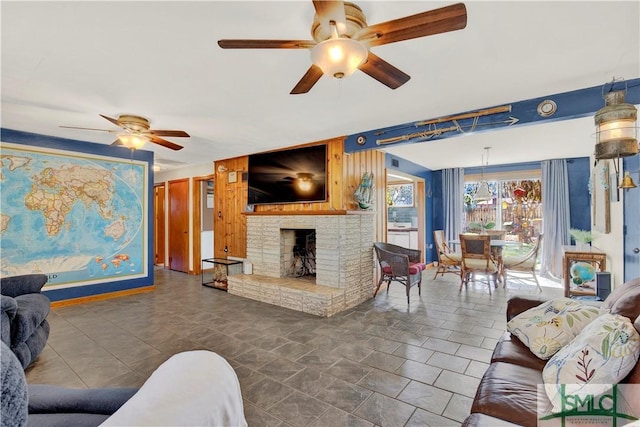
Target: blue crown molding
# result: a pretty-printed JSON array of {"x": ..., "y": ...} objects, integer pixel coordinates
[{"x": 563, "y": 106}]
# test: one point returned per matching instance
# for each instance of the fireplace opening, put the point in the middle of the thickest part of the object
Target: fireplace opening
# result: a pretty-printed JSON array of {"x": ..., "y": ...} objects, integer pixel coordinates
[{"x": 299, "y": 252}]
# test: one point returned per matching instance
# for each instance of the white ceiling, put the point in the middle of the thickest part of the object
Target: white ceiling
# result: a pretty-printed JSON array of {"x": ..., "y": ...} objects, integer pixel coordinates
[{"x": 63, "y": 63}]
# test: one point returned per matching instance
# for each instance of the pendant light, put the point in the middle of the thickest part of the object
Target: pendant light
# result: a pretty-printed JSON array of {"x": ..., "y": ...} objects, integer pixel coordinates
[{"x": 482, "y": 192}]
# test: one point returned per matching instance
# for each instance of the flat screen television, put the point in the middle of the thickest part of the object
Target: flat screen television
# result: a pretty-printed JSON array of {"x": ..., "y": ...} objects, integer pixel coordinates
[{"x": 297, "y": 175}]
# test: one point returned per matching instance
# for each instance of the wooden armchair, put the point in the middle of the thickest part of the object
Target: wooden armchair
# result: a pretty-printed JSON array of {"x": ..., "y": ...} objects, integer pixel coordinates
[
  {"x": 398, "y": 264},
  {"x": 449, "y": 261},
  {"x": 523, "y": 263}
]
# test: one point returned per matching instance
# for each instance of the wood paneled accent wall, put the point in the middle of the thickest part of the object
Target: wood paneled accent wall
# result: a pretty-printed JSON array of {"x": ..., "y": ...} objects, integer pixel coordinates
[
  {"x": 344, "y": 174},
  {"x": 355, "y": 165}
]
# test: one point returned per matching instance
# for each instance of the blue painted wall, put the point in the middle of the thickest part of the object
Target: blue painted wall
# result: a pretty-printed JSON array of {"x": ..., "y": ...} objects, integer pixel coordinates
[{"x": 18, "y": 137}]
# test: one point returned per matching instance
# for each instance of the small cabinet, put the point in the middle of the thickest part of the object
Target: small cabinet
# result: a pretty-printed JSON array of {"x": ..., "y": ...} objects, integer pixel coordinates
[
  {"x": 413, "y": 240},
  {"x": 400, "y": 238},
  {"x": 406, "y": 239}
]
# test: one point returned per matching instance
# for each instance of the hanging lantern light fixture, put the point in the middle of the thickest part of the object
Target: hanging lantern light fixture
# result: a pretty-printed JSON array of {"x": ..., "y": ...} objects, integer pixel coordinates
[
  {"x": 616, "y": 127},
  {"x": 482, "y": 192},
  {"x": 616, "y": 131}
]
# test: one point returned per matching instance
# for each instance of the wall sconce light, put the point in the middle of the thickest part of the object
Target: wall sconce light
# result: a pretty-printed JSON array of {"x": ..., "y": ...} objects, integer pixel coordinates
[
  {"x": 304, "y": 182},
  {"x": 132, "y": 141},
  {"x": 222, "y": 169},
  {"x": 338, "y": 56}
]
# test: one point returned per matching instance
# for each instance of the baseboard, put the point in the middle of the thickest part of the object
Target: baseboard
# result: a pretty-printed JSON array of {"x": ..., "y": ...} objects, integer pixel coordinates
[{"x": 100, "y": 297}]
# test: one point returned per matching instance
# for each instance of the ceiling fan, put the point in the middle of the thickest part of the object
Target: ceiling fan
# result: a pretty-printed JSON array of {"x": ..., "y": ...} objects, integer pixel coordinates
[
  {"x": 342, "y": 38},
  {"x": 137, "y": 132}
]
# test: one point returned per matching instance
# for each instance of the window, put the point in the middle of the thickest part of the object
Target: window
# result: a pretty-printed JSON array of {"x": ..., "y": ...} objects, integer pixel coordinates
[{"x": 515, "y": 206}]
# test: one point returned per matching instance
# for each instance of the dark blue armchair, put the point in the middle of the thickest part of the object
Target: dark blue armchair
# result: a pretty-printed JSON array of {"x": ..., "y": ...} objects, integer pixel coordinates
[{"x": 25, "y": 308}]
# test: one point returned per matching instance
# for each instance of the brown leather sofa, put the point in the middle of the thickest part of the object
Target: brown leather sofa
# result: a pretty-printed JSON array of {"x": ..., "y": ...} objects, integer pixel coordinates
[{"x": 507, "y": 394}]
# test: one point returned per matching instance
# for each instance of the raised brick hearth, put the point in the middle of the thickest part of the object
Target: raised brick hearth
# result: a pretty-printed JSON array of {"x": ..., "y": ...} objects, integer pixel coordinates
[{"x": 344, "y": 262}]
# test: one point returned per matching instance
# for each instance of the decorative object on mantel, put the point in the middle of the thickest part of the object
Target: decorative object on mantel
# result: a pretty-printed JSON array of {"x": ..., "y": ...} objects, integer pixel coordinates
[
  {"x": 616, "y": 131},
  {"x": 365, "y": 192}
]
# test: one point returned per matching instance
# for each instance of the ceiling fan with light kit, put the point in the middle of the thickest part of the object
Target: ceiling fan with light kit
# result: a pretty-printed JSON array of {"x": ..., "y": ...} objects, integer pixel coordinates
[
  {"x": 342, "y": 41},
  {"x": 137, "y": 132}
]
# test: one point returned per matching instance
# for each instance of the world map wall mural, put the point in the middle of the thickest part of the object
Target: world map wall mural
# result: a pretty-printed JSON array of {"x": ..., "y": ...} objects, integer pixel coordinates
[{"x": 77, "y": 217}]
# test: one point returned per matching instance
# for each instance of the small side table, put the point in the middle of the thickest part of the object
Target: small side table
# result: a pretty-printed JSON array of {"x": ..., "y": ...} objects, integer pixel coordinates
[
  {"x": 572, "y": 254},
  {"x": 220, "y": 272}
]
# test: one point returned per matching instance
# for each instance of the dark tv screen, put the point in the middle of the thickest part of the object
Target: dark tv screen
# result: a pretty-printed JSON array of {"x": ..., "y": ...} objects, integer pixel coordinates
[{"x": 288, "y": 176}]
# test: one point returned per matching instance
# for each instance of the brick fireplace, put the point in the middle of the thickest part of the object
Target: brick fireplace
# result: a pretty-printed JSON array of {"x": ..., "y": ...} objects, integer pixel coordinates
[{"x": 343, "y": 261}]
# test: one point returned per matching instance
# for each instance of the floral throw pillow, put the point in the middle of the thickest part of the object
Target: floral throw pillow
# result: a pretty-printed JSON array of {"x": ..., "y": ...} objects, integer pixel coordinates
[
  {"x": 548, "y": 327},
  {"x": 601, "y": 355}
]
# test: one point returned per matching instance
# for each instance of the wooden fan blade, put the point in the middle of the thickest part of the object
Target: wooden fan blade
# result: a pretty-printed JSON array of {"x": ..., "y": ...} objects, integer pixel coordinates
[
  {"x": 114, "y": 121},
  {"x": 442, "y": 20},
  {"x": 331, "y": 11},
  {"x": 173, "y": 133},
  {"x": 165, "y": 143},
  {"x": 265, "y": 44},
  {"x": 117, "y": 142},
  {"x": 307, "y": 81},
  {"x": 384, "y": 72},
  {"x": 101, "y": 130}
]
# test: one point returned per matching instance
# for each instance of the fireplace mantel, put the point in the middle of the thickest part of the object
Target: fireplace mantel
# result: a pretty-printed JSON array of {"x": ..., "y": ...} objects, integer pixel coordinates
[{"x": 286, "y": 213}]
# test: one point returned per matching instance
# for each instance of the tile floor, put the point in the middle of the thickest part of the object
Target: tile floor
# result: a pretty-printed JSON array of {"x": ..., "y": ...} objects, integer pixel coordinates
[{"x": 383, "y": 363}]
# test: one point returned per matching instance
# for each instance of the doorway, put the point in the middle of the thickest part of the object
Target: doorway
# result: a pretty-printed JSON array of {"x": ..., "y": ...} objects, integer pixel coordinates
[
  {"x": 202, "y": 220},
  {"x": 179, "y": 225},
  {"x": 406, "y": 211},
  {"x": 159, "y": 224}
]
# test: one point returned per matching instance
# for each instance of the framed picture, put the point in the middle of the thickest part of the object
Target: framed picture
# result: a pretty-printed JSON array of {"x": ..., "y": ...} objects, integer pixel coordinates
[{"x": 400, "y": 195}]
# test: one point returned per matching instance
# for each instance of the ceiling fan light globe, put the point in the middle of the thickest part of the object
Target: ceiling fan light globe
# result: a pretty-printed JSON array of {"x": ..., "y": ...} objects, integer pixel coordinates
[
  {"x": 132, "y": 141},
  {"x": 339, "y": 57}
]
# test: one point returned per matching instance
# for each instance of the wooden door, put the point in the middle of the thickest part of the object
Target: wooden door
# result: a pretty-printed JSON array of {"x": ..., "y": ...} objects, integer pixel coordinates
[
  {"x": 159, "y": 235},
  {"x": 179, "y": 225}
]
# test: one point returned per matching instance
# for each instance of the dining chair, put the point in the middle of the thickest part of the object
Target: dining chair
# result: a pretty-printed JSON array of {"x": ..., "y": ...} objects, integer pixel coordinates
[
  {"x": 399, "y": 264},
  {"x": 477, "y": 259},
  {"x": 449, "y": 261},
  {"x": 523, "y": 263}
]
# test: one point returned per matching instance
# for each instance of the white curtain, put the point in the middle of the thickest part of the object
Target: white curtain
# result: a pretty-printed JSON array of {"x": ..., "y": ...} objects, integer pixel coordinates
[
  {"x": 452, "y": 192},
  {"x": 555, "y": 211}
]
